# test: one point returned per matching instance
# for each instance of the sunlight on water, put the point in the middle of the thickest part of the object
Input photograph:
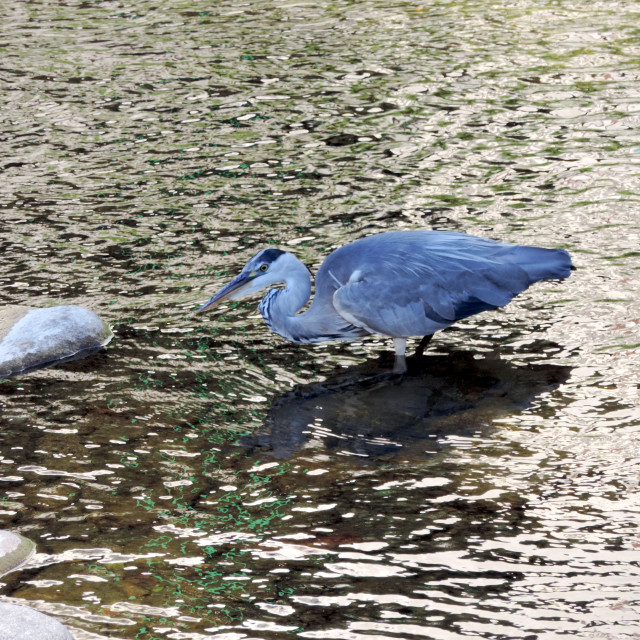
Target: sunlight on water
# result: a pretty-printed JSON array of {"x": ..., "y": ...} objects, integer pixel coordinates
[{"x": 201, "y": 478}]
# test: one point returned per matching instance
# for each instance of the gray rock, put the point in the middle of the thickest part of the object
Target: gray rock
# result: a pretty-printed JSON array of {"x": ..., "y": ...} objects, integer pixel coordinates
[
  {"x": 35, "y": 338},
  {"x": 23, "y": 623},
  {"x": 14, "y": 550}
]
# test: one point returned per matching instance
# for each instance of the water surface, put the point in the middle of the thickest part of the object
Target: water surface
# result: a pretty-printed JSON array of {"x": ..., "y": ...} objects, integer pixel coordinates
[{"x": 203, "y": 479}]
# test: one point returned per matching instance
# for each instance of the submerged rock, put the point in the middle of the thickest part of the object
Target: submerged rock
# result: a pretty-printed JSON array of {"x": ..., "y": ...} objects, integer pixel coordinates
[
  {"x": 14, "y": 550},
  {"x": 35, "y": 338},
  {"x": 23, "y": 623}
]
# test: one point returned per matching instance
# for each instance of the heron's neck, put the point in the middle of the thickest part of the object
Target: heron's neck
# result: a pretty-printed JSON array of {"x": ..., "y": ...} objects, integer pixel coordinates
[
  {"x": 319, "y": 322},
  {"x": 280, "y": 306}
]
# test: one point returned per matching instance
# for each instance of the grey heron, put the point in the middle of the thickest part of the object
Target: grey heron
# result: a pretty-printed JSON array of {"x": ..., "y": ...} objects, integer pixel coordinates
[{"x": 397, "y": 284}]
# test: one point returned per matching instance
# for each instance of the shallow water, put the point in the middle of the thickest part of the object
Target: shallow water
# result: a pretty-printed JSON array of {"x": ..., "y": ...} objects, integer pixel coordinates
[{"x": 203, "y": 479}]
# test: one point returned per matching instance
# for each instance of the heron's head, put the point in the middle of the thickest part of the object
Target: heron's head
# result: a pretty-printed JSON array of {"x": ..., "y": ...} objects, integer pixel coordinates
[{"x": 266, "y": 268}]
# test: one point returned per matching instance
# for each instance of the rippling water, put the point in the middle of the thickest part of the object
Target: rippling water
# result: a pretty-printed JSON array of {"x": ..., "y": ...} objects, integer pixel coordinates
[{"x": 203, "y": 479}]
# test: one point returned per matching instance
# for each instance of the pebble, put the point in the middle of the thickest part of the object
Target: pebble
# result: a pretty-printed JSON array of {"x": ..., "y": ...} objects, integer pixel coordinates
[{"x": 14, "y": 550}]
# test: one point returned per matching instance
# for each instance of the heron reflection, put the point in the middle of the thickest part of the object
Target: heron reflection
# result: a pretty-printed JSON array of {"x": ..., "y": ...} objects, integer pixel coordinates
[{"x": 440, "y": 397}]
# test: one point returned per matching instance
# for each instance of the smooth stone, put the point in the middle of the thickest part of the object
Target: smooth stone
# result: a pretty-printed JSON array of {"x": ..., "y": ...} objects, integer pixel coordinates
[
  {"x": 35, "y": 338},
  {"x": 14, "y": 550},
  {"x": 22, "y": 623}
]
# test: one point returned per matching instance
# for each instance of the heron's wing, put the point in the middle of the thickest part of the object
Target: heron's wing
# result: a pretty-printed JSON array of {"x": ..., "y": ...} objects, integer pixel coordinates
[{"x": 409, "y": 298}]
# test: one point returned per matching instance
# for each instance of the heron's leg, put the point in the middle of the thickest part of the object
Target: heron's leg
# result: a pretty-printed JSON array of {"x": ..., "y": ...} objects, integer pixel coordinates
[
  {"x": 400, "y": 346},
  {"x": 423, "y": 344}
]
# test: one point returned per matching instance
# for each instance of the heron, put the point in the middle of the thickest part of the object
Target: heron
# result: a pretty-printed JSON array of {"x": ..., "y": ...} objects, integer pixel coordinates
[{"x": 398, "y": 284}]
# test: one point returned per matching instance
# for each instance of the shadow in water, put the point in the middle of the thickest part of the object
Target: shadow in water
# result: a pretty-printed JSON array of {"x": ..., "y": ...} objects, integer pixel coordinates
[
  {"x": 82, "y": 354},
  {"x": 367, "y": 411}
]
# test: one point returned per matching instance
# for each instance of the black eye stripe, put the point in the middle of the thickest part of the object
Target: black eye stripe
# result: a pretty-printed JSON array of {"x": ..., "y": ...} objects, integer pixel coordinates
[{"x": 269, "y": 255}]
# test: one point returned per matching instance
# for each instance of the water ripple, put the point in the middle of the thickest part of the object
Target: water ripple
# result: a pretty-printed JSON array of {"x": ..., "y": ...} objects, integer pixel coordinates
[{"x": 201, "y": 478}]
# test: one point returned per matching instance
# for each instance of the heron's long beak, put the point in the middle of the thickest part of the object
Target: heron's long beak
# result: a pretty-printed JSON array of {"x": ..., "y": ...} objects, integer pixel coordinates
[{"x": 233, "y": 289}]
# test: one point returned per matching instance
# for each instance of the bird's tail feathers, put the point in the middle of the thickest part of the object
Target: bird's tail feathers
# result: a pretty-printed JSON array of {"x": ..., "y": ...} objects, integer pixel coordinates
[{"x": 543, "y": 264}]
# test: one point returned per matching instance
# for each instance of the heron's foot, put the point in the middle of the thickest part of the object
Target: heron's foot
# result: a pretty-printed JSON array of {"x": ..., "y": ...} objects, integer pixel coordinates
[
  {"x": 400, "y": 365},
  {"x": 423, "y": 345}
]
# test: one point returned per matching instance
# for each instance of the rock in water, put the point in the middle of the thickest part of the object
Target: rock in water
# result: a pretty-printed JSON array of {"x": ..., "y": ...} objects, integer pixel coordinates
[
  {"x": 35, "y": 338},
  {"x": 23, "y": 623},
  {"x": 18, "y": 622},
  {"x": 14, "y": 550}
]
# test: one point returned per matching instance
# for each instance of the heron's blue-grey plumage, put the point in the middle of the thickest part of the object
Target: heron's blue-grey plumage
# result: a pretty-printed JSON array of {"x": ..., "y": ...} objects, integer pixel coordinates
[
  {"x": 398, "y": 284},
  {"x": 416, "y": 282}
]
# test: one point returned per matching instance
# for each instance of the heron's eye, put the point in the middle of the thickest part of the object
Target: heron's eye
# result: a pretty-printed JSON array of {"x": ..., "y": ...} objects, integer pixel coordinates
[{"x": 264, "y": 267}]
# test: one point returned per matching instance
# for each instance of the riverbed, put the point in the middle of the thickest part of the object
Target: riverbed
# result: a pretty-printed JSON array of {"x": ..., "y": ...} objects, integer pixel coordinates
[{"x": 201, "y": 478}]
